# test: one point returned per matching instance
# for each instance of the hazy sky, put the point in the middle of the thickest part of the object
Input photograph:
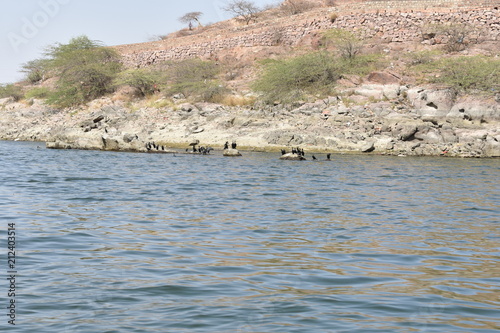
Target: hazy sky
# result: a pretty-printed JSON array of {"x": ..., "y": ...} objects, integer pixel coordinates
[{"x": 28, "y": 26}]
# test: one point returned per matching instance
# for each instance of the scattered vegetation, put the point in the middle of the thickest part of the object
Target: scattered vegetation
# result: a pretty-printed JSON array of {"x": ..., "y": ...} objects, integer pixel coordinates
[
  {"x": 475, "y": 74},
  {"x": 458, "y": 36},
  {"x": 11, "y": 90}
]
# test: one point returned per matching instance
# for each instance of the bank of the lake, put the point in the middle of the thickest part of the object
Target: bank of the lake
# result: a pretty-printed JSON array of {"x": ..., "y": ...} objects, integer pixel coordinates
[{"x": 413, "y": 121}]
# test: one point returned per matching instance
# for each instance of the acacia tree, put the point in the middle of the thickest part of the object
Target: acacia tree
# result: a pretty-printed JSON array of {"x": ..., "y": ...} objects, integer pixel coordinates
[
  {"x": 190, "y": 17},
  {"x": 85, "y": 70},
  {"x": 244, "y": 9}
]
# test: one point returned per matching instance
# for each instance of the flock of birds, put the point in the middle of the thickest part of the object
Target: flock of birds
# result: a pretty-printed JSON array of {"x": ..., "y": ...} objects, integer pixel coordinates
[
  {"x": 300, "y": 152},
  {"x": 153, "y": 147}
]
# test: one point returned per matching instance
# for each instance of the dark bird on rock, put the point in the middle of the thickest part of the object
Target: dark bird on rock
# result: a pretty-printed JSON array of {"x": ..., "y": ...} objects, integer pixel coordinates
[
  {"x": 283, "y": 152},
  {"x": 328, "y": 157},
  {"x": 314, "y": 158},
  {"x": 226, "y": 145},
  {"x": 233, "y": 145},
  {"x": 194, "y": 143}
]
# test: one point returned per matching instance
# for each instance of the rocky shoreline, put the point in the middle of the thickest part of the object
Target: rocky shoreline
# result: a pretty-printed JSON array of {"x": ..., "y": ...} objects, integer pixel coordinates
[{"x": 373, "y": 119}]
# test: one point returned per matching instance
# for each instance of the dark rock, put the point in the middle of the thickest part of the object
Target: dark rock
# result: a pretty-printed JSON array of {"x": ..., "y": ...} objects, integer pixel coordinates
[{"x": 98, "y": 119}]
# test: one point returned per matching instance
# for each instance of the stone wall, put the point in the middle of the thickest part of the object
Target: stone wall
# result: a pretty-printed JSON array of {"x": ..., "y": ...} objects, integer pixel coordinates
[{"x": 388, "y": 26}]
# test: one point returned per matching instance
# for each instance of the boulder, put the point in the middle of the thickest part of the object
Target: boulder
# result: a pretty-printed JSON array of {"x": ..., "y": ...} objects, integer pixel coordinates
[
  {"x": 428, "y": 102},
  {"x": 231, "y": 152},
  {"x": 292, "y": 157},
  {"x": 110, "y": 143},
  {"x": 368, "y": 147},
  {"x": 383, "y": 78}
]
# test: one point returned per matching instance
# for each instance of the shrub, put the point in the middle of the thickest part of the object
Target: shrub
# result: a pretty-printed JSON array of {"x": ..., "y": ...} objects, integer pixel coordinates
[
  {"x": 346, "y": 42},
  {"x": 146, "y": 82},
  {"x": 470, "y": 74},
  {"x": 85, "y": 70},
  {"x": 38, "y": 92},
  {"x": 458, "y": 36},
  {"x": 293, "y": 7},
  {"x": 289, "y": 80},
  {"x": 11, "y": 90},
  {"x": 422, "y": 57},
  {"x": 195, "y": 78}
]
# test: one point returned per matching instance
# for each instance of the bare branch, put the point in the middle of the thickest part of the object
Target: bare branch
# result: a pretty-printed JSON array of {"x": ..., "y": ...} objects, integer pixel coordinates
[{"x": 244, "y": 9}]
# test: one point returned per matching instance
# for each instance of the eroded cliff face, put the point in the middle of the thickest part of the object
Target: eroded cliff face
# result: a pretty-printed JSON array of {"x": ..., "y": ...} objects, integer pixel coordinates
[{"x": 414, "y": 121}]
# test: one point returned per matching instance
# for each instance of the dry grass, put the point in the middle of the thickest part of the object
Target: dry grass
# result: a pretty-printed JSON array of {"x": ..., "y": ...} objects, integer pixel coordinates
[{"x": 235, "y": 100}]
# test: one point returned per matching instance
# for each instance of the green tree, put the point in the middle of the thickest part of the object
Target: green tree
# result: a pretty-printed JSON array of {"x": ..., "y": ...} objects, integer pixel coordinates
[{"x": 85, "y": 70}]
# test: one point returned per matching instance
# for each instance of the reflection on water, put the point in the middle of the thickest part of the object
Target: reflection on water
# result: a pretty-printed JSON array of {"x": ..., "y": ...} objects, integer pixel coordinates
[{"x": 147, "y": 243}]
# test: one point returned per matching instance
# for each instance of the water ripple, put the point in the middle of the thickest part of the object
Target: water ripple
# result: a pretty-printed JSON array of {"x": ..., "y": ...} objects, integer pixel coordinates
[{"x": 119, "y": 242}]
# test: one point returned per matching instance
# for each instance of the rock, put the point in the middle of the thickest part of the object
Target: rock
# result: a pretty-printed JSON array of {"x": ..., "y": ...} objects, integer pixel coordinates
[
  {"x": 431, "y": 102},
  {"x": 186, "y": 107},
  {"x": 110, "y": 143},
  {"x": 98, "y": 119},
  {"x": 127, "y": 138},
  {"x": 383, "y": 78},
  {"x": 57, "y": 145},
  {"x": 375, "y": 91},
  {"x": 368, "y": 147},
  {"x": 471, "y": 109},
  {"x": 429, "y": 136},
  {"x": 231, "y": 152},
  {"x": 491, "y": 147},
  {"x": 405, "y": 132},
  {"x": 7, "y": 100},
  {"x": 292, "y": 157}
]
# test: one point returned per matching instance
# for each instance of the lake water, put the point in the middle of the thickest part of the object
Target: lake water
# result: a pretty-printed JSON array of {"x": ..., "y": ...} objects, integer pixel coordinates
[{"x": 120, "y": 242}]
